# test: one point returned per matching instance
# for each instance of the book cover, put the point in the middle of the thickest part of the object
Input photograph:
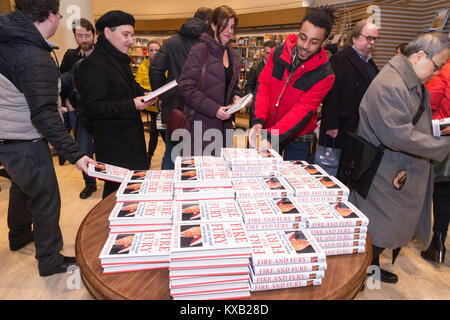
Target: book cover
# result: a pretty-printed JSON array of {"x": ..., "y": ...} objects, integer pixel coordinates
[
  {"x": 209, "y": 240},
  {"x": 198, "y": 281},
  {"x": 333, "y": 214},
  {"x": 202, "y": 178},
  {"x": 317, "y": 186},
  {"x": 289, "y": 247},
  {"x": 284, "y": 284},
  {"x": 153, "y": 94},
  {"x": 244, "y": 156},
  {"x": 141, "y": 213},
  {"x": 107, "y": 172},
  {"x": 203, "y": 194},
  {"x": 213, "y": 288},
  {"x": 199, "y": 162},
  {"x": 261, "y": 210},
  {"x": 130, "y": 190},
  {"x": 304, "y": 170},
  {"x": 344, "y": 250},
  {"x": 142, "y": 175},
  {"x": 136, "y": 248},
  {"x": 342, "y": 243},
  {"x": 286, "y": 276},
  {"x": 258, "y": 187},
  {"x": 288, "y": 268},
  {"x": 439, "y": 125},
  {"x": 206, "y": 211},
  {"x": 241, "y": 103}
]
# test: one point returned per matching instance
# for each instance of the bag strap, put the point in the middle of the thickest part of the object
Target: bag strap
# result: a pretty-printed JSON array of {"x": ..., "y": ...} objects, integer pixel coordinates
[{"x": 421, "y": 107}]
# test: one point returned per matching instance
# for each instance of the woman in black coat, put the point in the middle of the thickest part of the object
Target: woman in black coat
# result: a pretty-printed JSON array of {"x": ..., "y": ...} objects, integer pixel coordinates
[
  {"x": 112, "y": 98},
  {"x": 220, "y": 85}
]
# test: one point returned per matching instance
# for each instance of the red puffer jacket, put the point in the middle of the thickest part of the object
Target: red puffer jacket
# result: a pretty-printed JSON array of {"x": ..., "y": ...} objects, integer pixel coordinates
[
  {"x": 439, "y": 88},
  {"x": 288, "y": 102}
]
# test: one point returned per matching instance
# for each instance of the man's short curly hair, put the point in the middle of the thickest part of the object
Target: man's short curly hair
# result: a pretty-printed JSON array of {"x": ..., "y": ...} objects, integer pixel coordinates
[
  {"x": 323, "y": 17},
  {"x": 37, "y": 10}
]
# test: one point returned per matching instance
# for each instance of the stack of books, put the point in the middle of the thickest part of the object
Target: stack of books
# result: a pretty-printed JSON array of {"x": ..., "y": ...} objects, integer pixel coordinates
[
  {"x": 338, "y": 227},
  {"x": 258, "y": 187},
  {"x": 262, "y": 214},
  {"x": 285, "y": 259},
  {"x": 126, "y": 252},
  {"x": 243, "y": 163},
  {"x": 209, "y": 260},
  {"x": 141, "y": 217},
  {"x": 302, "y": 168},
  {"x": 147, "y": 190},
  {"x": 199, "y": 162}
]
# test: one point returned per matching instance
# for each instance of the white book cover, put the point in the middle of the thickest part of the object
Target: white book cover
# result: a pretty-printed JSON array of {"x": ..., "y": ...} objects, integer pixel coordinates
[
  {"x": 210, "y": 194},
  {"x": 141, "y": 213},
  {"x": 142, "y": 175},
  {"x": 342, "y": 243},
  {"x": 139, "y": 228},
  {"x": 202, "y": 178},
  {"x": 136, "y": 248},
  {"x": 144, "y": 191},
  {"x": 189, "y": 162},
  {"x": 244, "y": 156},
  {"x": 209, "y": 240},
  {"x": 214, "y": 288},
  {"x": 344, "y": 250},
  {"x": 206, "y": 211},
  {"x": 284, "y": 284},
  {"x": 337, "y": 230},
  {"x": 317, "y": 186},
  {"x": 240, "y": 103},
  {"x": 278, "y": 247},
  {"x": 262, "y": 210},
  {"x": 206, "y": 272},
  {"x": 153, "y": 94},
  {"x": 244, "y": 294},
  {"x": 439, "y": 125},
  {"x": 275, "y": 187},
  {"x": 209, "y": 263},
  {"x": 288, "y": 268},
  {"x": 286, "y": 276},
  {"x": 107, "y": 172},
  {"x": 339, "y": 236},
  {"x": 304, "y": 170},
  {"x": 134, "y": 267},
  {"x": 199, "y": 281},
  {"x": 333, "y": 214}
]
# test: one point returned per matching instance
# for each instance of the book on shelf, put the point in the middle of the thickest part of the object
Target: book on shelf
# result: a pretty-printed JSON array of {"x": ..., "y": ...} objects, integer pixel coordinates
[
  {"x": 213, "y": 288},
  {"x": 343, "y": 250},
  {"x": 288, "y": 268},
  {"x": 149, "y": 190},
  {"x": 244, "y": 294},
  {"x": 209, "y": 241},
  {"x": 284, "y": 284},
  {"x": 199, "y": 162},
  {"x": 109, "y": 269},
  {"x": 141, "y": 213},
  {"x": 439, "y": 125},
  {"x": 254, "y": 187},
  {"x": 337, "y": 230},
  {"x": 241, "y": 103},
  {"x": 107, "y": 172},
  {"x": 198, "y": 281},
  {"x": 273, "y": 210},
  {"x": 130, "y": 248},
  {"x": 150, "y": 175},
  {"x": 188, "y": 212},
  {"x": 209, "y": 263},
  {"x": 342, "y": 243},
  {"x": 153, "y": 94},
  {"x": 210, "y": 194},
  {"x": 289, "y": 247},
  {"x": 317, "y": 186},
  {"x": 278, "y": 277},
  {"x": 339, "y": 236},
  {"x": 333, "y": 214},
  {"x": 244, "y": 156},
  {"x": 206, "y": 272},
  {"x": 202, "y": 178}
]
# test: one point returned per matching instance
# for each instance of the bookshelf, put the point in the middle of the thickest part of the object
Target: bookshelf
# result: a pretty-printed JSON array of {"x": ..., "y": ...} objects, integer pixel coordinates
[{"x": 138, "y": 51}]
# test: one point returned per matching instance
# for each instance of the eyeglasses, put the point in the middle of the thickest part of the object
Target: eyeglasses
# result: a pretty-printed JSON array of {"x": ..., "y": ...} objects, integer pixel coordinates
[
  {"x": 370, "y": 38},
  {"x": 436, "y": 67},
  {"x": 60, "y": 16}
]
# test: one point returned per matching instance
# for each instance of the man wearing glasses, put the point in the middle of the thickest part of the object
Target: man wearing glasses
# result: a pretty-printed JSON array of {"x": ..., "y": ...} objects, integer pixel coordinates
[{"x": 354, "y": 70}]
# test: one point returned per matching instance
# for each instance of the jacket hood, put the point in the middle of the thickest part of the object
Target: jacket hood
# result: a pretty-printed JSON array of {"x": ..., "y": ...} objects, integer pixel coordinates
[
  {"x": 16, "y": 28},
  {"x": 193, "y": 28}
]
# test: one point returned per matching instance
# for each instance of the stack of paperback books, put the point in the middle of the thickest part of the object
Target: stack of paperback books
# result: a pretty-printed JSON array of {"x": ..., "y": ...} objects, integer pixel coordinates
[
  {"x": 338, "y": 227},
  {"x": 199, "y": 162},
  {"x": 272, "y": 214},
  {"x": 147, "y": 190},
  {"x": 107, "y": 172},
  {"x": 141, "y": 217},
  {"x": 209, "y": 260},
  {"x": 285, "y": 259},
  {"x": 125, "y": 252},
  {"x": 243, "y": 163},
  {"x": 257, "y": 187}
]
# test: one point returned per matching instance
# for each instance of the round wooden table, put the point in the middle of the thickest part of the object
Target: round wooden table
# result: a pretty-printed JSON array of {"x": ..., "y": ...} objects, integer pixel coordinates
[{"x": 343, "y": 278}]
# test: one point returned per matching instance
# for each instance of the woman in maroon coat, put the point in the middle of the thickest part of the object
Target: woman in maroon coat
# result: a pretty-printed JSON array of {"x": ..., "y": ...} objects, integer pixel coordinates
[{"x": 219, "y": 87}]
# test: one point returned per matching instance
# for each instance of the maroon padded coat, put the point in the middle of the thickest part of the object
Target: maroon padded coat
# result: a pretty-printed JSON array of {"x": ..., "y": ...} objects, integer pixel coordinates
[{"x": 205, "y": 101}]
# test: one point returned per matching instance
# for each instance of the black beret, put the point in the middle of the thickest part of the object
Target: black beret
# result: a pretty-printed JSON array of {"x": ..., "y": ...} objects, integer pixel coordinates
[{"x": 113, "y": 19}]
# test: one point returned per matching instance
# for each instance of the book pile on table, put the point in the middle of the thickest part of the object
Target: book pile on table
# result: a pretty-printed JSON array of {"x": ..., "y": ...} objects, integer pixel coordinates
[
  {"x": 261, "y": 214},
  {"x": 257, "y": 187},
  {"x": 285, "y": 259},
  {"x": 209, "y": 260},
  {"x": 124, "y": 252},
  {"x": 338, "y": 227},
  {"x": 107, "y": 172},
  {"x": 242, "y": 163}
]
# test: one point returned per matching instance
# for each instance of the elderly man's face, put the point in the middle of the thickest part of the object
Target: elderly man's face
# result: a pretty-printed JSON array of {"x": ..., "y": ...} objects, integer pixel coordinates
[
  {"x": 426, "y": 67},
  {"x": 121, "y": 37},
  {"x": 365, "y": 42}
]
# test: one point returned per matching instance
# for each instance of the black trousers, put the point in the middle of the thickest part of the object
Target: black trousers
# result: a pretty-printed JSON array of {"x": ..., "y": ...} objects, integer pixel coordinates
[
  {"x": 441, "y": 207},
  {"x": 34, "y": 199}
]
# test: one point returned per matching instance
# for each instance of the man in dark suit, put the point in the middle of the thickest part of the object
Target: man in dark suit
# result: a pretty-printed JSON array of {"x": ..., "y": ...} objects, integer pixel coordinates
[
  {"x": 84, "y": 33},
  {"x": 354, "y": 70}
]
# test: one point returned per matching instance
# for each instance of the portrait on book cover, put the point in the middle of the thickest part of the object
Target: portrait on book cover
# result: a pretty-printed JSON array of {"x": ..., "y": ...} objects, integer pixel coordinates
[
  {"x": 344, "y": 210},
  {"x": 329, "y": 183},
  {"x": 274, "y": 184},
  {"x": 190, "y": 212},
  {"x": 139, "y": 175},
  {"x": 122, "y": 244},
  {"x": 440, "y": 19},
  {"x": 286, "y": 206},
  {"x": 128, "y": 210},
  {"x": 299, "y": 242},
  {"x": 132, "y": 188},
  {"x": 191, "y": 236},
  {"x": 189, "y": 175}
]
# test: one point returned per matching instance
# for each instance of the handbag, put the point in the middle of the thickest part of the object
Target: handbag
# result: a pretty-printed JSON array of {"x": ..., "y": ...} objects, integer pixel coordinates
[
  {"x": 328, "y": 157},
  {"x": 360, "y": 159},
  {"x": 180, "y": 119}
]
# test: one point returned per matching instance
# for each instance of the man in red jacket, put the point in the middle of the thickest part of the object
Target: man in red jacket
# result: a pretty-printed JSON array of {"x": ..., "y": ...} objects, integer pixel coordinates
[{"x": 292, "y": 85}]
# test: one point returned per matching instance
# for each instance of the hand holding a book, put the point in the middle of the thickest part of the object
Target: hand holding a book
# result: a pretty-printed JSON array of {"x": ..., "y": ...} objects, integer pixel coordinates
[
  {"x": 222, "y": 114},
  {"x": 82, "y": 163},
  {"x": 445, "y": 131},
  {"x": 141, "y": 105}
]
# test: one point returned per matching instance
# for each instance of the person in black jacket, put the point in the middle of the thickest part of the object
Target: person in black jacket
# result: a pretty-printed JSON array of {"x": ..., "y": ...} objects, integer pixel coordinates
[
  {"x": 28, "y": 119},
  {"x": 253, "y": 76},
  {"x": 84, "y": 34},
  {"x": 112, "y": 98},
  {"x": 171, "y": 58}
]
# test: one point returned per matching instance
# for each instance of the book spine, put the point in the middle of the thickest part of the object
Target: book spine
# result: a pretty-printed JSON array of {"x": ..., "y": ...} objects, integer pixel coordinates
[
  {"x": 275, "y": 226},
  {"x": 337, "y": 223},
  {"x": 288, "y": 277},
  {"x": 286, "y": 261},
  {"x": 294, "y": 268},
  {"x": 339, "y": 244},
  {"x": 248, "y": 174},
  {"x": 339, "y": 251},
  {"x": 334, "y": 230},
  {"x": 340, "y": 237},
  {"x": 274, "y": 219},
  {"x": 284, "y": 284},
  {"x": 260, "y": 168}
]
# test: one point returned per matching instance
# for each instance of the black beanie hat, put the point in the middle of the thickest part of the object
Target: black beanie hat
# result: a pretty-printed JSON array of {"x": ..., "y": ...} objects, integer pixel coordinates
[{"x": 113, "y": 19}]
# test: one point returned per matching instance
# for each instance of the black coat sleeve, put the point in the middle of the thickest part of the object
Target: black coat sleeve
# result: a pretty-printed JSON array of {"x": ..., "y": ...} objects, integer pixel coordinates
[
  {"x": 330, "y": 107},
  {"x": 157, "y": 70}
]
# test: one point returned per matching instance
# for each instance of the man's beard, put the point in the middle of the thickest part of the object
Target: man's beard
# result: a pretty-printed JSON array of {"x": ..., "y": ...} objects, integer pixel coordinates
[{"x": 86, "y": 46}]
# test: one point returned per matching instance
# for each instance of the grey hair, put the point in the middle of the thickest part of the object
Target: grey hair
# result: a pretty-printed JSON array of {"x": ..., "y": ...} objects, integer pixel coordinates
[
  {"x": 432, "y": 43},
  {"x": 355, "y": 32}
]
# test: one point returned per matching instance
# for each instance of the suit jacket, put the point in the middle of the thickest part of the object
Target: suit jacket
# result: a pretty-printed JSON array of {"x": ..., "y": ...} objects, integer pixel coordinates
[{"x": 340, "y": 108}]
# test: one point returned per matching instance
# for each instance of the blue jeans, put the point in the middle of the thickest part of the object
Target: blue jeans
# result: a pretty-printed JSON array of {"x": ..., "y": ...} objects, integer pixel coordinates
[
  {"x": 167, "y": 163},
  {"x": 297, "y": 151}
]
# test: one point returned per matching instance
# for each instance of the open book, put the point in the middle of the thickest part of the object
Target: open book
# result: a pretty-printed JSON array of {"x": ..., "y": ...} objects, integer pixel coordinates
[
  {"x": 157, "y": 92},
  {"x": 241, "y": 103}
]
